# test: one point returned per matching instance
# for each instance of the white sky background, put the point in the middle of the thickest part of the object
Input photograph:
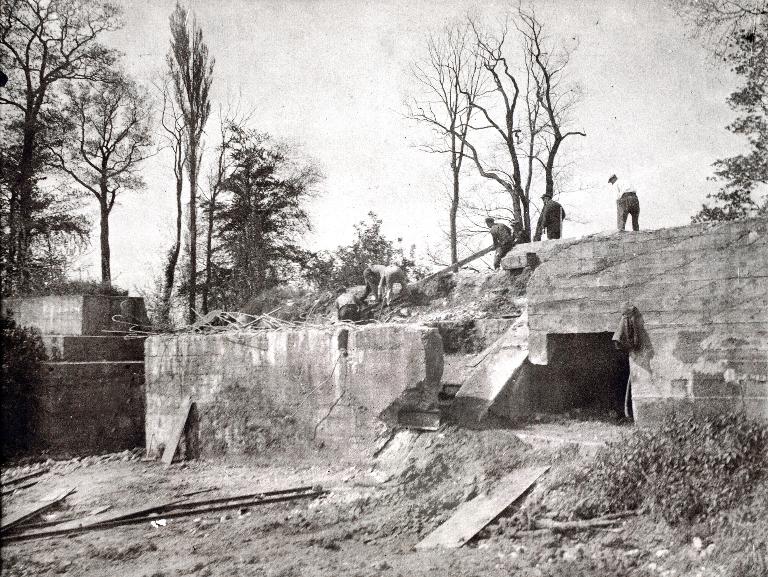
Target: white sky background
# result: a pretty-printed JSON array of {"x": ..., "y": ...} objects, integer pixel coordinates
[{"x": 332, "y": 76}]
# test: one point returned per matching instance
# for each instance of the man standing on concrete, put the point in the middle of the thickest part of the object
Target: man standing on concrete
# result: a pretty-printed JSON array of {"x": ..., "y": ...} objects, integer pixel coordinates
[
  {"x": 503, "y": 241},
  {"x": 348, "y": 306},
  {"x": 626, "y": 203},
  {"x": 551, "y": 218}
]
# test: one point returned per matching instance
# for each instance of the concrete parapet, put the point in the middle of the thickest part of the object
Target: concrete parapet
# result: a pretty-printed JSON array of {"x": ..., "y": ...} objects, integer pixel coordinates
[
  {"x": 75, "y": 314},
  {"x": 76, "y": 348},
  {"x": 287, "y": 389}
]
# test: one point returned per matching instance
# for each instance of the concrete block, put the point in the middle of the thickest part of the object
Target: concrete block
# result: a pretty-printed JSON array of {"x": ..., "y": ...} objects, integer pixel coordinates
[
  {"x": 74, "y": 314},
  {"x": 290, "y": 388},
  {"x": 86, "y": 408},
  {"x": 500, "y": 367}
]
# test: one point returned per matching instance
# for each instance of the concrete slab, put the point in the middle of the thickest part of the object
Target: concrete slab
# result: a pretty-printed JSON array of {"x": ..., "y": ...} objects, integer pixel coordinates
[{"x": 496, "y": 368}]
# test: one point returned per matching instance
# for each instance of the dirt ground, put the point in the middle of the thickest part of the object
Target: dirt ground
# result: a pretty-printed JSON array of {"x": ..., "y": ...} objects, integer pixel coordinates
[{"x": 368, "y": 524}]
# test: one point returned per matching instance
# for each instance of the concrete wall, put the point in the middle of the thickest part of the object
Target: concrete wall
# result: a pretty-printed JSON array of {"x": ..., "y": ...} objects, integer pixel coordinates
[
  {"x": 702, "y": 292},
  {"x": 91, "y": 398},
  {"x": 86, "y": 408},
  {"x": 286, "y": 389},
  {"x": 73, "y": 314}
]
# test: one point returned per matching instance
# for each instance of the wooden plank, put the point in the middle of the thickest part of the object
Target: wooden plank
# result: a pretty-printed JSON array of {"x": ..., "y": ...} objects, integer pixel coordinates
[
  {"x": 459, "y": 264},
  {"x": 177, "y": 431},
  {"x": 33, "y": 510},
  {"x": 473, "y": 515},
  {"x": 25, "y": 477},
  {"x": 98, "y": 519},
  {"x": 19, "y": 486}
]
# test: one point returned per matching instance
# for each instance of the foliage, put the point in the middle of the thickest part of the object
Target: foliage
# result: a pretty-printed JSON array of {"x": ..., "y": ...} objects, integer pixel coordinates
[
  {"x": 22, "y": 355},
  {"x": 344, "y": 267},
  {"x": 191, "y": 71},
  {"x": 743, "y": 174},
  {"x": 77, "y": 287},
  {"x": 259, "y": 219},
  {"x": 104, "y": 132},
  {"x": 685, "y": 470},
  {"x": 291, "y": 303},
  {"x": 45, "y": 45},
  {"x": 55, "y": 230}
]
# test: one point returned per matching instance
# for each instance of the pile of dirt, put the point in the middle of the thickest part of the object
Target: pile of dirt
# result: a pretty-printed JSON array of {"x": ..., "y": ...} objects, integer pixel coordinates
[{"x": 427, "y": 476}]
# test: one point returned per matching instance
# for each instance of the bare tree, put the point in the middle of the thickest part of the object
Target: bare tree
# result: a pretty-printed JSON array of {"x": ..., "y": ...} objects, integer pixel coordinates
[
  {"x": 45, "y": 43},
  {"x": 174, "y": 127},
  {"x": 106, "y": 134},
  {"x": 191, "y": 70},
  {"x": 450, "y": 78},
  {"x": 524, "y": 111},
  {"x": 555, "y": 99}
]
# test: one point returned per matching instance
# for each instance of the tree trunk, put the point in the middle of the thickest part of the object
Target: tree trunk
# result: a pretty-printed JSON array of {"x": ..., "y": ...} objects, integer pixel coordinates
[
  {"x": 453, "y": 213},
  {"x": 21, "y": 222},
  {"x": 106, "y": 273},
  {"x": 192, "y": 303},
  {"x": 173, "y": 258},
  {"x": 208, "y": 253}
]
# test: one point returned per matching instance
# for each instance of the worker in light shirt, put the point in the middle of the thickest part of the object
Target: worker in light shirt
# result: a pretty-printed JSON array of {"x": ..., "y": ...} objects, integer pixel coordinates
[{"x": 627, "y": 203}]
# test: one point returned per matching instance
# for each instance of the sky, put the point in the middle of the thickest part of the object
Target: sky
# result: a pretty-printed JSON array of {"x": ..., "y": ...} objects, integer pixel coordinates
[{"x": 332, "y": 77}]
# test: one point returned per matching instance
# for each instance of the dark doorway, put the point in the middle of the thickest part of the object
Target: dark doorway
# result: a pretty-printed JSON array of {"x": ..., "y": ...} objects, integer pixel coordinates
[{"x": 585, "y": 371}]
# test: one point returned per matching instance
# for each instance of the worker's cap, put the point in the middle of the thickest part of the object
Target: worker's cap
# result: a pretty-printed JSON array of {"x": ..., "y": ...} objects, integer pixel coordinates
[
  {"x": 612, "y": 179},
  {"x": 489, "y": 220}
]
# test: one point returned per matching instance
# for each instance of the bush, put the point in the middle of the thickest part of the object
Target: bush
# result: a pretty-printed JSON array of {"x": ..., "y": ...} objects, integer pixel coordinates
[
  {"x": 685, "y": 470},
  {"x": 22, "y": 355},
  {"x": 77, "y": 287}
]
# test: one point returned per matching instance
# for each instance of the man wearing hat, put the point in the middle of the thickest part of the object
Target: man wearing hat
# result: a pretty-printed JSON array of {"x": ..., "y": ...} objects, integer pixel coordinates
[
  {"x": 550, "y": 219},
  {"x": 503, "y": 241},
  {"x": 626, "y": 203}
]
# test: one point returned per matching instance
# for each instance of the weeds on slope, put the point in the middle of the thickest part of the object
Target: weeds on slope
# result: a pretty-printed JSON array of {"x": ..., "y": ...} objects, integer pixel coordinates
[{"x": 688, "y": 468}]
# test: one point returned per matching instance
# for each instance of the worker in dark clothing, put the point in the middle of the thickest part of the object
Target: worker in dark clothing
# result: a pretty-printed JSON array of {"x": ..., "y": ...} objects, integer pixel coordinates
[
  {"x": 627, "y": 204},
  {"x": 503, "y": 241},
  {"x": 348, "y": 306},
  {"x": 519, "y": 234},
  {"x": 551, "y": 218}
]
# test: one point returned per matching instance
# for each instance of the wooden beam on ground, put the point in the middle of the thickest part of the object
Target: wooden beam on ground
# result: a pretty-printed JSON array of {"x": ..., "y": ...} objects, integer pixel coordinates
[
  {"x": 25, "y": 477},
  {"x": 33, "y": 510},
  {"x": 177, "y": 431},
  {"x": 471, "y": 516},
  {"x": 167, "y": 510},
  {"x": 16, "y": 487}
]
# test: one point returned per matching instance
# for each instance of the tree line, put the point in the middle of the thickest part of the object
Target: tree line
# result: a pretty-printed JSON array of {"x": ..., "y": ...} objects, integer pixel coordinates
[{"x": 497, "y": 100}]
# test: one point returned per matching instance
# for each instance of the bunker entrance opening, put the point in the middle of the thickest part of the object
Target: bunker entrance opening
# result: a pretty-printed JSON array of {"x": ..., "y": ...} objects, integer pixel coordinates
[{"x": 587, "y": 372}]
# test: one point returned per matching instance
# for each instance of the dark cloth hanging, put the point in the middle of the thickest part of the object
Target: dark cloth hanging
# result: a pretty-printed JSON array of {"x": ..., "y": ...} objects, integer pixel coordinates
[{"x": 626, "y": 338}]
